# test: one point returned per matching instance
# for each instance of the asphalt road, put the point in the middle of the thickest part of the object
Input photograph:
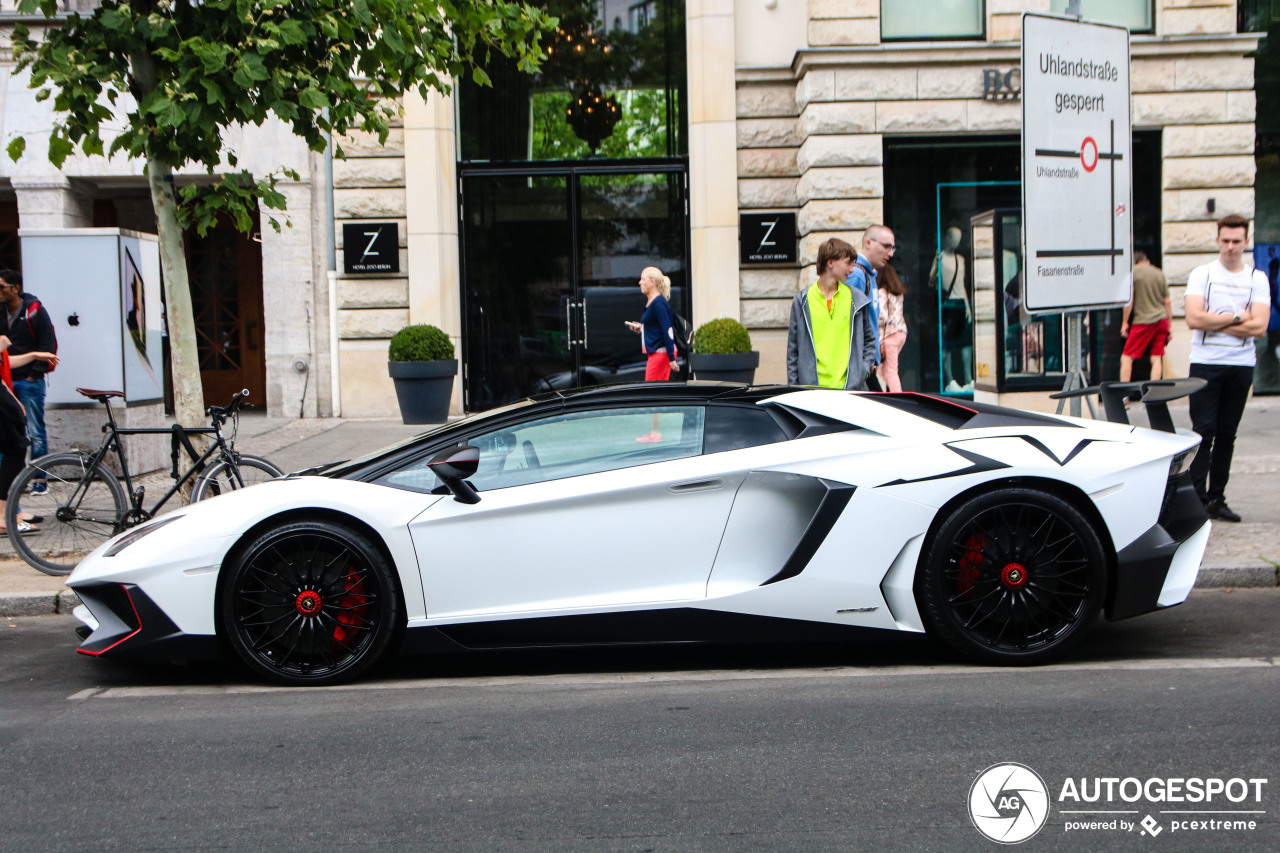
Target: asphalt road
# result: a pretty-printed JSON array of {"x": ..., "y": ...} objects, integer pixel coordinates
[{"x": 868, "y": 745}]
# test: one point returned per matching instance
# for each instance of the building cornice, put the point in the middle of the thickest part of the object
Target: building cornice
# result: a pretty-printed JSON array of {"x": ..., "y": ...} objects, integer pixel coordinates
[{"x": 977, "y": 52}]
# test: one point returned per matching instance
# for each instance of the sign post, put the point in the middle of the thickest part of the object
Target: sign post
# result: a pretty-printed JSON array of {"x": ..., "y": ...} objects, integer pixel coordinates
[{"x": 1076, "y": 173}]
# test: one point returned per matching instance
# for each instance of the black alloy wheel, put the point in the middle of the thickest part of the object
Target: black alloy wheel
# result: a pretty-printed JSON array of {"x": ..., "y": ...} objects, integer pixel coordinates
[
  {"x": 1014, "y": 576},
  {"x": 310, "y": 602}
]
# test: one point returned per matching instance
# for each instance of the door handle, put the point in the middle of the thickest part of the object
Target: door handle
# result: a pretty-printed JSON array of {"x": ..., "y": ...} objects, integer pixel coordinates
[
  {"x": 696, "y": 486},
  {"x": 583, "y": 303}
]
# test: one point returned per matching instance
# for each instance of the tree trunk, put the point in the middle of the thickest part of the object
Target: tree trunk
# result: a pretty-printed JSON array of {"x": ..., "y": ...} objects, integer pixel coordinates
[{"x": 188, "y": 394}]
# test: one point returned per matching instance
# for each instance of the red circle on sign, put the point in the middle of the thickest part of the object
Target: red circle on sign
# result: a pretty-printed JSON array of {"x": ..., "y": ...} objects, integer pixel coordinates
[{"x": 1089, "y": 167}]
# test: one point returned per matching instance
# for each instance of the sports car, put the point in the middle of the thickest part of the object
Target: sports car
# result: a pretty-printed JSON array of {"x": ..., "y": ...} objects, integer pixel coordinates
[{"x": 668, "y": 512}]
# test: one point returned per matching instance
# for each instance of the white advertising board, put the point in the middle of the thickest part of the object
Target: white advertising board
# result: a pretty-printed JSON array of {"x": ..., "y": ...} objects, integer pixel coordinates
[
  {"x": 101, "y": 287},
  {"x": 1076, "y": 164}
]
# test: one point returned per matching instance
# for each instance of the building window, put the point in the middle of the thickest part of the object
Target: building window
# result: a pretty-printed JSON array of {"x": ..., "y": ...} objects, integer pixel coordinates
[
  {"x": 1137, "y": 15},
  {"x": 931, "y": 19},
  {"x": 605, "y": 90},
  {"x": 1254, "y": 16}
]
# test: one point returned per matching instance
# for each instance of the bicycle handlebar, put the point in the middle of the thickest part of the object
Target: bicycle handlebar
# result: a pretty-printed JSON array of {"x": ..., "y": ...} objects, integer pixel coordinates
[{"x": 223, "y": 411}]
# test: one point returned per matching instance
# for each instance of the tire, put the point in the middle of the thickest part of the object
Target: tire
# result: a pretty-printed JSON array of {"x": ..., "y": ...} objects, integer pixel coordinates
[
  {"x": 218, "y": 478},
  {"x": 75, "y": 520},
  {"x": 1014, "y": 576},
  {"x": 310, "y": 603}
]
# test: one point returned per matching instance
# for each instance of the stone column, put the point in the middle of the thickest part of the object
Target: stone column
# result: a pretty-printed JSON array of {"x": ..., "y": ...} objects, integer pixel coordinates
[
  {"x": 712, "y": 161},
  {"x": 53, "y": 202},
  {"x": 288, "y": 309},
  {"x": 369, "y": 186},
  {"x": 431, "y": 189}
]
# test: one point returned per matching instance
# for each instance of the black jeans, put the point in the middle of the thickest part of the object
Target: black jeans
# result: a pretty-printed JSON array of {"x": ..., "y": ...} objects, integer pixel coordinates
[{"x": 1216, "y": 410}]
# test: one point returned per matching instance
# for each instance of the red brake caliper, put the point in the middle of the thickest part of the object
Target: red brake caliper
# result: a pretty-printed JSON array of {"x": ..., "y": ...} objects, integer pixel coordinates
[
  {"x": 352, "y": 605},
  {"x": 970, "y": 561}
]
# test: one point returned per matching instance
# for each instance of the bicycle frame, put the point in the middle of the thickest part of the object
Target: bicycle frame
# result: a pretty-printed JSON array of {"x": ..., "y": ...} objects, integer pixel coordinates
[{"x": 111, "y": 443}]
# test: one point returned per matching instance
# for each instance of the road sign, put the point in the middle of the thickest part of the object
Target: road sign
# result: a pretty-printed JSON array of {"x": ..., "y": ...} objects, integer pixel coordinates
[{"x": 1077, "y": 207}]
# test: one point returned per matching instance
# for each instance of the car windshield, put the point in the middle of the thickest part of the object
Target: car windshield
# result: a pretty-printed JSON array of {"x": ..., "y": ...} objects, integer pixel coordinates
[{"x": 467, "y": 424}]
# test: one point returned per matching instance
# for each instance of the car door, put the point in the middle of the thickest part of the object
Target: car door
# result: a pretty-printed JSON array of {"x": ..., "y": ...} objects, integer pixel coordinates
[{"x": 576, "y": 512}]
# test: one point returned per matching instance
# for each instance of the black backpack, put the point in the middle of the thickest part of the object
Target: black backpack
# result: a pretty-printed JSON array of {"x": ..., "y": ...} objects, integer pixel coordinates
[{"x": 680, "y": 333}]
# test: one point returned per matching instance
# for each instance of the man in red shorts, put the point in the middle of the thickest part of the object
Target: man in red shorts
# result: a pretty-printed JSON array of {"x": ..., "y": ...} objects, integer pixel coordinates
[{"x": 1150, "y": 311}]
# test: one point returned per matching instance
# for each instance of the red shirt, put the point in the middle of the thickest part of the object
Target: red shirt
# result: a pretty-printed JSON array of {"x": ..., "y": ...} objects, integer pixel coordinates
[{"x": 5, "y": 373}]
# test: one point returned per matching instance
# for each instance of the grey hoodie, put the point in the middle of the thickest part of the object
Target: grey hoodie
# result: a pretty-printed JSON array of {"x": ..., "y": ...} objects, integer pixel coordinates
[{"x": 802, "y": 359}]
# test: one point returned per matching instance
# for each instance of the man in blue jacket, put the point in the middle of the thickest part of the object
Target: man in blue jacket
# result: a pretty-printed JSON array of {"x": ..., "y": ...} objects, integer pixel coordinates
[{"x": 831, "y": 340}]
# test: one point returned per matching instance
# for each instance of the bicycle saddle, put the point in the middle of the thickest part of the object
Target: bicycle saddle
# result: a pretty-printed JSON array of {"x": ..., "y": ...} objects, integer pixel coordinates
[{"x": 100, "y": 396}]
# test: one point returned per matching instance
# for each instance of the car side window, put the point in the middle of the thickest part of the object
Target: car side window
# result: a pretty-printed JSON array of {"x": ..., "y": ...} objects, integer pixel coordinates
[
  {"x": 736, "y": 427},
  {"x": 572, "y": 444}
]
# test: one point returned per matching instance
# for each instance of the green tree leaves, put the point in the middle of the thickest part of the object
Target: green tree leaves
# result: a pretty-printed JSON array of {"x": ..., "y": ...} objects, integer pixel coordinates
[{"x": 322, "y": 66}]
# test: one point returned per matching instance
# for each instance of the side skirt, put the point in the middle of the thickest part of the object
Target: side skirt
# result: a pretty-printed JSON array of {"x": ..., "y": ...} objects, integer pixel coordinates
[{"x": 668, "y": 626}]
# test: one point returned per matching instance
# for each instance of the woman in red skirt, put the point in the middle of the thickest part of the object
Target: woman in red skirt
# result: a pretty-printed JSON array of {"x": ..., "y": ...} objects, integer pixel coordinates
[{"x": 658, "y": 334}]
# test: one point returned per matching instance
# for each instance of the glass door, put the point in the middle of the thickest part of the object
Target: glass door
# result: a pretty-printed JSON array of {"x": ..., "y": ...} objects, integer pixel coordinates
[
  {"x": 551, "y": 264},
  {"x": 626, "y": 221},
  {"x": 517, "y": 254}
]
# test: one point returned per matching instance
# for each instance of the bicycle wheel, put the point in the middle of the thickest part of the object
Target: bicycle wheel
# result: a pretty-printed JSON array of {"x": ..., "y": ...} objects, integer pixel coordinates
[
  {"x": 220, "y": 479},
  {"x": 80, "y": 509}
]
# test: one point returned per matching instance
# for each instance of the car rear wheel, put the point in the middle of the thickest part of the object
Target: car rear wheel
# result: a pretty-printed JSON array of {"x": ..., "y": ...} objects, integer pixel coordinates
[
  {"x": 1014, "y": 576},
  {"x": 310, "y": 602}
]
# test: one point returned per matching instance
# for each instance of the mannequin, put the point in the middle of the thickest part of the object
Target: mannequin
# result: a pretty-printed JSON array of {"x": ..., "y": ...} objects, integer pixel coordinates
[{"x": 948, "y": 273}]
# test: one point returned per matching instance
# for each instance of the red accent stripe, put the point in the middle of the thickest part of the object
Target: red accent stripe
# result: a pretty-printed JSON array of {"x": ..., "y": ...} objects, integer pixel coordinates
[{"x": 127, "y": 636}]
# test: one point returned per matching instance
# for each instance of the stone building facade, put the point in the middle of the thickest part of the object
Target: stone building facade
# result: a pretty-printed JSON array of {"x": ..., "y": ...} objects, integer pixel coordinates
[
  {"x": 812, "y": 133},
  {"x": 798, "y": 113},
  {"x": 819, "y": 108}
]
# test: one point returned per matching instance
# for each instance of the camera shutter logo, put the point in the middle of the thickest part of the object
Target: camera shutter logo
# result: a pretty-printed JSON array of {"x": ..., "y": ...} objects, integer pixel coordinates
[{"x": 1008, "y": 803}]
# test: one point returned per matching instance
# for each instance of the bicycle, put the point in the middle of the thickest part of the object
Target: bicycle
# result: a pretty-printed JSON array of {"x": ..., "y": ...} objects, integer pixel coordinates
[{"x": 78, "y": 503}]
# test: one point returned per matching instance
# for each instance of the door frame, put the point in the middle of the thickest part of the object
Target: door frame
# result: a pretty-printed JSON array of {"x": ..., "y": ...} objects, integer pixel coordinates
[{"x": 572, "y": 170}]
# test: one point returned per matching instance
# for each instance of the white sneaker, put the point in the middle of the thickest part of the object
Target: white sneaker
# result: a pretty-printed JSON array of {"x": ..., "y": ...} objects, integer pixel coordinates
[{"x": 953, "y": 386}]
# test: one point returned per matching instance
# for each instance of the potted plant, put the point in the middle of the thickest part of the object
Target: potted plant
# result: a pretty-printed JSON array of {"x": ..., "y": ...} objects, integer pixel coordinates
[
  {"x": 422, "y": 365},
  {"x": 722, "y": 352}
]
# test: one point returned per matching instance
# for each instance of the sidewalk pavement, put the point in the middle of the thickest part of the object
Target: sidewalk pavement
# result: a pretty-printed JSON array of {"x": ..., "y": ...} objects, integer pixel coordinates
[{"x": 1244, "y": 554}]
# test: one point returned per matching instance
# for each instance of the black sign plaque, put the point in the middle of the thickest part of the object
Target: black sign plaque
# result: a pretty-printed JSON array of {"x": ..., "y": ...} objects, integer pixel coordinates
[
  {"x": 767, "y": 238},
  {"x": 370, "y": 247}
]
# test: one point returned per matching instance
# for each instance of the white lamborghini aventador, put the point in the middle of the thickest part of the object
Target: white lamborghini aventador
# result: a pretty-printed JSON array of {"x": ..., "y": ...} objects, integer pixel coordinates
[{"x": 665, "y": 511}]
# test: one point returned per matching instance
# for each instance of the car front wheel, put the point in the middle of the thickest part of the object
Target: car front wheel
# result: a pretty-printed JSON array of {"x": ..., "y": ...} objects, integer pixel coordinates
[
  {"x": 311, "y": 603},
  {"x": 1013, "y": 576}
]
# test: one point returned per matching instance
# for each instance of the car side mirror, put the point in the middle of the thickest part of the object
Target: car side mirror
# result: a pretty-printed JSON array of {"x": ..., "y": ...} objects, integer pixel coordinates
[{"x": 453, "y": 466}]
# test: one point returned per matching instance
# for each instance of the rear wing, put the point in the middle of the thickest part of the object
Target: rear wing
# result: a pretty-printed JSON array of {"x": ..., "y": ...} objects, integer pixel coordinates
[{"x": 1156, "y": 394}]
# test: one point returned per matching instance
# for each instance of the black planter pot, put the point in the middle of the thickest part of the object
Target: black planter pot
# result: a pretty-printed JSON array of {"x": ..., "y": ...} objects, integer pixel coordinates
[
  {"x": 423, "y": 389},
  {"x": 725, "y": 367}
]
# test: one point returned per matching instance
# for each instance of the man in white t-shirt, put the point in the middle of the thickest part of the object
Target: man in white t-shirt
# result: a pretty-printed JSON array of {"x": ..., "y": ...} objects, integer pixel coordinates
[{"x": 1228, "y": 305}]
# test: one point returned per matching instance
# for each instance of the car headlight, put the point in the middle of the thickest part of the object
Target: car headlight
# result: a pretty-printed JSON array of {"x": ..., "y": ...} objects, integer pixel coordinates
[
  {"x": 1182, "y": 461},
  {"x": 137, "y": 533}
]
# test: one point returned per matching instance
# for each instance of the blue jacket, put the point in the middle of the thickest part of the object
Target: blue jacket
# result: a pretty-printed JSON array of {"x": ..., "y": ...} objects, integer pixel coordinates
[
  {"x": 657, "y": 321},
  {"x": 862, "y": 277}
]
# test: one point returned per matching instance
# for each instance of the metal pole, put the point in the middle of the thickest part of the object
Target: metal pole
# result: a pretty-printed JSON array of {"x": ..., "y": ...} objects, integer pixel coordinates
[{"x": 1073, "y": 359}]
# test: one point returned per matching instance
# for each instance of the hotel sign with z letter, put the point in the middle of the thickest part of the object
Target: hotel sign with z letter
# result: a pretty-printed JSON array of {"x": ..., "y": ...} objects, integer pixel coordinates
[
  {"x": 371, "y": 247},
  {"x": 1077, "y": 209},
  {"x": 767, "y": 238}
]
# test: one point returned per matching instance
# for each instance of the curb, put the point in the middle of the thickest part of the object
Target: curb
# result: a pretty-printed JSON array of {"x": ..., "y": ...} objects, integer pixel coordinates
[
  {"x": 64, "y": 601},
  {"x": 1238, "y": 576},
  {"x": 38, "y": 603}
]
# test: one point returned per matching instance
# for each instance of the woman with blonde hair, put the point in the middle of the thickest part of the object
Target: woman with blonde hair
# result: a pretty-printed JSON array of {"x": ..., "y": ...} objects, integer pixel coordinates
[
  {"x": 658, "y": 334},
  {"x": 657, "y": 322}
]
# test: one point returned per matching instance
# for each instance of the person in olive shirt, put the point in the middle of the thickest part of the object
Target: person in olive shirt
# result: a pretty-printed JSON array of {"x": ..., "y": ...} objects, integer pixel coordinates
[
  {"x": 831, "y": 340},
  {"x": 1149, "y": 311}
]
